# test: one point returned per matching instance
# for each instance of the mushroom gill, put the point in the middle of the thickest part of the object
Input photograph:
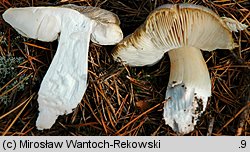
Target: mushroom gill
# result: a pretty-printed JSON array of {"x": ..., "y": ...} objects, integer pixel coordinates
[{"x": 181, "y": 30}]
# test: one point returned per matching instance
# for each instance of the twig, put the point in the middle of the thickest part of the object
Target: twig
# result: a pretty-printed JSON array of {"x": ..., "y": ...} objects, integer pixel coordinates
[
  {"x": 138, "y": 118},
  {"x": 238, "y": 113},
  {"x": 18, "y": 115}
]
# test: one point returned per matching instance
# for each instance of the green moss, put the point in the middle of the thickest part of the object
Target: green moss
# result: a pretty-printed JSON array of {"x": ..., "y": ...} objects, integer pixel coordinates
[{"x": 9, "y": 70}]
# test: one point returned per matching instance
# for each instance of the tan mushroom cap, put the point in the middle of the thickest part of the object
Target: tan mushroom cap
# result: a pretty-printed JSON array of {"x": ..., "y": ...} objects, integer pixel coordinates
[
  {"x": 173, "y": 26},
  {"x": 107, "y": 23},
  {"x": 95, "y": 13}
]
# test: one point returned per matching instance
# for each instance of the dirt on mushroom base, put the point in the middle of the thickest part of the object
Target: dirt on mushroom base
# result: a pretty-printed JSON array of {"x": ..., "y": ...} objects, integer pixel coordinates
[{"x": 109, "y": 106}]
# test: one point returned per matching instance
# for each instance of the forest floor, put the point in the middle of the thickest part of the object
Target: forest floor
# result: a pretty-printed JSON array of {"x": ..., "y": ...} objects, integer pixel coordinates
[{"x": 122, "y": 100}]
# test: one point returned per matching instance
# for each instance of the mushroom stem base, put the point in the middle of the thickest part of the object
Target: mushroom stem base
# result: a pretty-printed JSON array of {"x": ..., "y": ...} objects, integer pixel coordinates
[{"x": 188, "y": 89}]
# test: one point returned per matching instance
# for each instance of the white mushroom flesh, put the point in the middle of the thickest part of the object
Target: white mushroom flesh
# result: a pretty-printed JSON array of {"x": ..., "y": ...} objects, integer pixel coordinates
[{"x": 65, "y": 82}]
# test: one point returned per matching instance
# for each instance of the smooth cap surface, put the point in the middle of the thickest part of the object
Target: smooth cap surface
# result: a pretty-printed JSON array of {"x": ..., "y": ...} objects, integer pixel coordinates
[
  {"x": 36, "y": 23},
  {"x": 44, "y": 23}
]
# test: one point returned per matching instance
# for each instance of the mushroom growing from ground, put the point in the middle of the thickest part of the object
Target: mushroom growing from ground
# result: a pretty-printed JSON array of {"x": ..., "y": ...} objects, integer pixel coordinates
[
  {"x": 181, "y": 30},
  {"x": 65, "y": 82}
]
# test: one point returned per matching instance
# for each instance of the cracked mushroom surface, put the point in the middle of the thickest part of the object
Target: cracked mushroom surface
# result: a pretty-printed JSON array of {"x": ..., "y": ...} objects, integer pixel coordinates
[
  {"x": 182, "y": 30},
  {"x": 65, "y": 82}
]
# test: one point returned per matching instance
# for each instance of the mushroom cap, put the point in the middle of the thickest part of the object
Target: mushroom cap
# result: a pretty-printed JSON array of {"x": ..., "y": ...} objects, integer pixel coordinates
[
  {"x": 45, "y": 22},
  {"x": 107, "y": 28},
  {"x": 65, "y": 82},
  {"x": 41, "y": 24},
  {"x": 172, "y": 26},
  {"x": 95, "y": 13}
]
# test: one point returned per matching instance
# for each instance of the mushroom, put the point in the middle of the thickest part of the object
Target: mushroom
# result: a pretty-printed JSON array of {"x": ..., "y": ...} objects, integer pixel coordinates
[
  {"x": 181, "y": 30},
  {"x": 65, "y": 82}
]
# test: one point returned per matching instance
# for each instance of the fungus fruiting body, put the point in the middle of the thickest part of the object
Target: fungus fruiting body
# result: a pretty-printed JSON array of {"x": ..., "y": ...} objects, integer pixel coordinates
[
  {"x": 65, "y": 82},
  {"x": 181, "y": 30}
]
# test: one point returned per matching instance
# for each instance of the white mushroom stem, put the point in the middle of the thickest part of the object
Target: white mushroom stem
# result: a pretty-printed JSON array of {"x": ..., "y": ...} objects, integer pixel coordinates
[
  {"x": 181, "y": 30},
  {"x": 188, "y": 89},
  {"x": 66, "y": 80}
]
